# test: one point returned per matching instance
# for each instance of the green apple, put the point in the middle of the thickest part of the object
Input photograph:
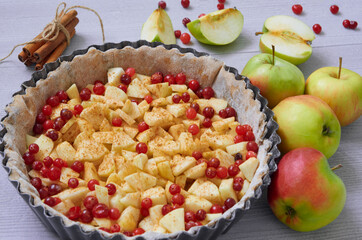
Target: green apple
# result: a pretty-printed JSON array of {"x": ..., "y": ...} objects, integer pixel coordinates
[
  {"x": 304, "y": 193},
  {"x": 158, "y": 28},
  {"x": 276, "y": 78},
  {"x": 218, "y": 28},
  {"x": 307, "y": 121},
  {"x": 290, "y": 36},
  {"x": 342, "y": 91}
]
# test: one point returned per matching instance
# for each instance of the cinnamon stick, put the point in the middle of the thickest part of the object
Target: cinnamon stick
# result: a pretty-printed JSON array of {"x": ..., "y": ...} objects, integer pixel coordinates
[
  {"x": 55, "y": 54},
  {"x": 29, "y": 62},
  {"x": 22, "y": 56},
  {"x": 30, "y": 48},
  {"x": 49, "y": 46}
]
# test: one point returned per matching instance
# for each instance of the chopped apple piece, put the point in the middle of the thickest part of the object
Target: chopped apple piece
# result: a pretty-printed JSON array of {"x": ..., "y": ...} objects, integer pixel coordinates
[
  {"x": 131, "y": 130},
  {"x": 178, "y": 88},
  {"x": 104, "y": 137},
  {"x": 223, "y": 125},
  {"x": 73, "y": 92},
  {"x": 218, "y": 104},
  {"x": 75, "y": 195},
  {"x": 127, "y": 118},
  {"x": 194, "y": 203},
  {"x": 225, "y": 158},
  {"x": 164, "y": 169},
  {"x": 90, "y": 172},
  {"x": 90, "y": 151},
  {"x": 151, "y": 167},
  {"x": 187, "y": 145},
  {"x": 237, "y": 148},
  {"x": 176, "y": 130},
  {"x": 156, "y": 213},
  {"x": 249, "y": 168},
  {"x": 114, "y": 75},
  {"x": 245, "y": 188},
  {"x": 115, "y": 202},
  {"x": 193, "y": 188},
  {"x": 140, "y": 160},
  {"x": 181, "y": 180},
  {"x": 209, "y": 191},
  {"x": 122, "y": 142},
  {"x": 45, "y": 147},
  {"x": 128, "y": 155},
  {"x": 102, "y": 194},
  {"x": 157, "y": 195},
  {"x": 114, "y": 178},
  {"x": 107, "y": 167},
  {"x": 103, "y": 222},
  {"x": 226, "y": 189},
  {"x": 212, "y": 216},
  {"x": 94, "y": 115},
  {"x": 215, "y": 140},
  {"x": 146, "y": 135},
  {"x": 132, "y": 199},
  {"x": 141, "y": 181},
  {"x": 137, "y": 89},
  {"x": 158, "y": 117},
  {"x": 160, "y": 90},
  {"x": 197, "y": 171},
  {"x": 30, "y": 139},
  {"x": 174, "y": 221},
  {"x": 180, "y": 164},
  {"x": 66, "y": 152},
  {"x": 66, "y": 174},
  {"x": 129, "y": 218},
  {"x": 131, "y": 109},
  {"x": 177, "y": 110}
]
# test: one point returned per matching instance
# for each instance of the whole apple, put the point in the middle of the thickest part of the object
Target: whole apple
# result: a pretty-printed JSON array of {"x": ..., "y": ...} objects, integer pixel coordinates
[
  {"x": 307, "y": 121},
  {"x": 305, "y": 194},
  {"x": 277, "y": 79},
  {"x": 343, "y": 94}
]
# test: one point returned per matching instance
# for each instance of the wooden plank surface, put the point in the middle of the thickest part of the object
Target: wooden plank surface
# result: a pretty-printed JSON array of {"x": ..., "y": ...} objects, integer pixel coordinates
[{"x": 22, "y": 20}]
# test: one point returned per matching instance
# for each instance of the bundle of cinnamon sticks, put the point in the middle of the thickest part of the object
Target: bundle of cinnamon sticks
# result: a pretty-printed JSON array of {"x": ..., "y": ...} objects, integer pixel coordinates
[{"x": 42, "y": 52}]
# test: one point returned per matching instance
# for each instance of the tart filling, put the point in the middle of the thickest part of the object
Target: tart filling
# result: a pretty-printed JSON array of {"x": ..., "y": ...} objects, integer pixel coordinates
[{"x": 140, "y": 153}]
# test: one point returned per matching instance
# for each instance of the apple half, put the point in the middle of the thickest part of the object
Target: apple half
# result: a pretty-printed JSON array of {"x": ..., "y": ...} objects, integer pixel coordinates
[
  {"x": 290, "y": 36},
  {"x": 158, "y": 28},
  {"x": 218, "y": 28}
]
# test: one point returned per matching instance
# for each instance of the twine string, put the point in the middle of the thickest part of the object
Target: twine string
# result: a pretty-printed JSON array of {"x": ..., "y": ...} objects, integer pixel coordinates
[{"x": 52, "y": 29}]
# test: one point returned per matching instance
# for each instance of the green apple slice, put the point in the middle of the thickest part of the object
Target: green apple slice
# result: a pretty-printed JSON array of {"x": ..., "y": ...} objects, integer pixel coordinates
[
  {"x": 290, "y": 36},
  {"x": 158, "y": 28},
  {"x": 218, "y": 28}
]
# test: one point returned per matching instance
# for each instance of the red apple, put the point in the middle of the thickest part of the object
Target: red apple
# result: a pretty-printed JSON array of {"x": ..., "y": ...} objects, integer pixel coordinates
[{"x": 305, "y": 194}]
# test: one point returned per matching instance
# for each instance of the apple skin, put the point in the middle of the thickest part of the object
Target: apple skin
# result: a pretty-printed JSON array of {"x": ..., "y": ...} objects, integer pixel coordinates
[
  {"x": 307, "y": 121},
  {"x": 277, "y": 81},
  {"x": 304, "y": 193},
  {"x": 343, "y": 95}
]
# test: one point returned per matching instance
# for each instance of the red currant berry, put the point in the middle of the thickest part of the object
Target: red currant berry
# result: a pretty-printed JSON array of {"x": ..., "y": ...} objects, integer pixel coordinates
[
  {"x": 220, "y": 6},
  {"x": 176, "y": 98},
  {"x": 249, "y": 136},
  {"x": 210, "y": 172},
  {"x": 195, "y": 106},
  {"x": 77, "y": 166},
  {"x": 297, "y": 9},
  {"x": 54, "y": 189},
  {"x": 334, "y": 9},
  {"x": 229, "y": 203},
  {"x": 230, "y": 112},
  {"x": 242, "y": 129},
  {"x": 185, "y": 38},
  {"x": 38, "y": 128},
  {"x": 180, "y": 78},
  {"x": 239, "y": 180},
  {"x": 117, "y": 121},
  {"x": 216, "y": 208},
  {"x": 141, "y": 148},
  {"x": 143, "y": 126},
  {"x": 222, "y": 172},
  {"x": 99, "y": 89},
  {"x": 191, "y": 113},
  {"x": 221, "y": 1},
  {"x": 126, "y": 79},
  {"x": 201, "y": 15},
  {"x": 73, "y": 182},
  {"x": 36, "y": 182},
  {"x": 239, "y": 162},
  {"x": 50, "y": 201},
  {"x": 201, "y": 214},
  {"x": 346, "y": 23},
  {"x": 197, "y": 155},
  {"x": 37, "y": 165},
  {"x": 145, "y": 212},
  {"x": 207, "y": 123},
  {"x": 58, "y": 162},
  {"x": 185, "y": 21},
  {"x": 85, "y": 94},
  {"x": 170, "y": 78},
  {"x": 28, "y": 158},
  {"x": 223, "y": 113},
  {"x": 115, "y": 228},
  {"x": 213, "y": 162},
  {"x": 52, "y": 134},
  {"x": 48, "y": 161},
  {"x": 317, "y": 28},
  {"x": 41, "y": 118},
  {"x": 148, "y": 99},
  {"x": 238, "y": 156},
  {"x": 74, "y": 213},
  {"x": 185, "y": 97},
  {"x": 162, "y": 4},
  {"x": 53, "y": 101},
  {"x": 194, "y": 85},
  {"x": 86, "y": 216},
  {"x": 156, "y": 78},
  {"x": 199, "y": 93},
  {"x": 185, "y": 3},
  {"x": 189, "y": 225},
  {"x": 92, "y": 183},
  {"x": 33, "y": 148},
  {"x": 208, "y": 93},
  {"x": 100, "y": 210},
  {"x": 114, "y": 213},
  {"x": 194, "y": 129},
  {"x": 166, "y": 209},
  {"x": 250, "y": 154},
  {"x": 237, "y": 186},
  {"x": 131, "y": 71},
  {"x": 146, "y": 203},
  {"x": 233, "y": 170},
  {"x": 47, "y": 110},
  {"x": 48, "y": 124},
  {"x": 123, "y": 87},
  {"x": 78, "y": 109},
  {"x": 44, "y": 171},
  {"x": 353, "y": 25},
  {"x": 43, "y": 192},
  {"x": 59, "y": 123},
  {"x": 190, "y": 216},
  {"x": 238, "y": 139},
  {"x": 138, "y": 231},
  {"x": 252, "y": 146},
  {"x": 178, "y": 198},
  {"x": 208, "y": 112},
  {"x": 111, "y": 188},
  {"x": 62, "y": 95},
  {"x": 201, "y": 160},
  {"x": 89, "y": 202},
  {"x": 177, "y": 33},
  {"x": 54, "y": 173},
  {"x": 174, "y": 189}
]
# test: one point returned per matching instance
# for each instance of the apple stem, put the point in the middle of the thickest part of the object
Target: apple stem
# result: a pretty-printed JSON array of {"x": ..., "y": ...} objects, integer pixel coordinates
[
  {"x": 340, "y": 67},
  {"x": 273, "y": 49},
  {"x": 336, "y": 167},
  {"x": 258, "y": 33}
]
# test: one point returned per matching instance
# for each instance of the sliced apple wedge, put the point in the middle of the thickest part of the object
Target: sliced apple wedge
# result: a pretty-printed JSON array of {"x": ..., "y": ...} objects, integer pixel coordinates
[
  {"x": 290, "y": 36},
  {"x": 218, "y": 28},
  {"x": 158, "y": 28}
]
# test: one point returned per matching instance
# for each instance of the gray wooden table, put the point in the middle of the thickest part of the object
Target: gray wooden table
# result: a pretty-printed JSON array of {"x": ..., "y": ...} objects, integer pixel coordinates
[{"x": 22, "y": 20}]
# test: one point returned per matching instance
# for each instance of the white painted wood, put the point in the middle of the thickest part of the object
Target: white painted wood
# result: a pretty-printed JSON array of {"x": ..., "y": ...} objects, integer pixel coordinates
[{"x": 22, "y": 20}]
